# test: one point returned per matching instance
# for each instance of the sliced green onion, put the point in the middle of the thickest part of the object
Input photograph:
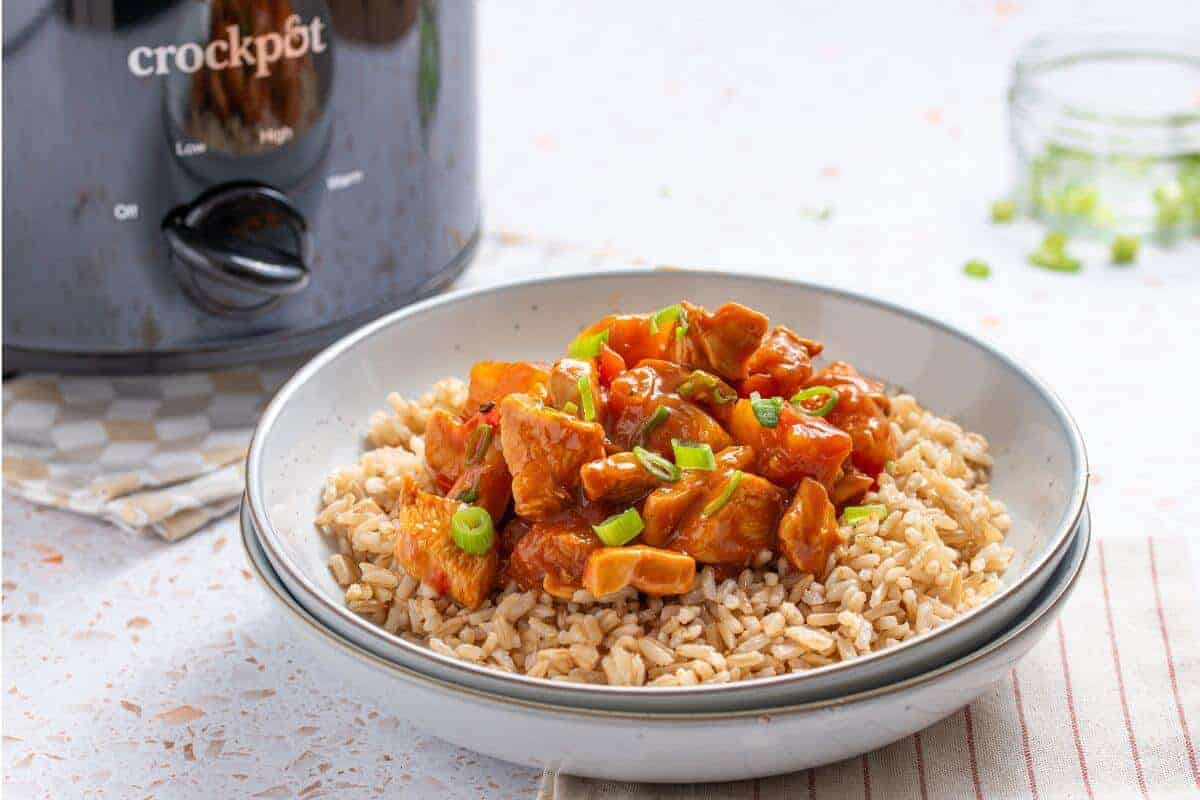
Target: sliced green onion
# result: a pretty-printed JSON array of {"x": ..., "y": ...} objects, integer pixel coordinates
[
  {"x": 468, "y": 495},
  {"x": 585, "y": 398},
  {"x": 829, "y": 393},
  {"x": 656, "y": 465},
  {"x": 665, "y": 316},
  {"x": 653, "y": 421},
  {"x": 588, "y": 346},
  {"x": 700, "y": 380},
  {"x": 726, "y": 493},
  {"x": 1003, "y": 211},
  {"x": 570, "y": 408},
  {"x": 477, "y": 445},
  {"x": 620, "y": 528},
  {"x": 1055, "y": 242},
  {"x": 977, "y": 269},
  {"x": 1124, "y": 249},
  {"x": 853, "y": 515},
  {"x": 1058, "y": 262},
  {"x": 767, "y": 410},
  {"x": 471, "y": 528},
  {"x": 693, "y": 455}
]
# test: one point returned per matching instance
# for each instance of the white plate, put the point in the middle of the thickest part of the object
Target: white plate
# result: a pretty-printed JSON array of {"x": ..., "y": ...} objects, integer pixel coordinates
[
  {"x": 318, "y": 420},
  {"x": 676, "y": 748}
]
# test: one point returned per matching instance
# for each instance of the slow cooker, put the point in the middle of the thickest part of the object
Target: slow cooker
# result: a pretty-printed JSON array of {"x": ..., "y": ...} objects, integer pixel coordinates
[{"x": 199, "y": 183}]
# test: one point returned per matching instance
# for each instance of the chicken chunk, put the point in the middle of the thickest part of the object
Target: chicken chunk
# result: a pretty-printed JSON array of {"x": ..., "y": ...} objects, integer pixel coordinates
[
  {"x": 808, "y": 532},
  {"x": 799, "y": 446},
  {"x": 553, "y": 554},
  {"x": 648, "y": 569},
  {"x": 425, "y": 548},
  {"x": 781, "y": 365},
  {"x": 445, "y": 448},
  {"x": 618, "y": 479},
  {"x": 721, "y": 341},
  {"x": 861, "y": 411},
  {"x": 544, "y": 450},
  {"x": 564, "y": 385},
  {"x": 667, "y": 506},
  {"x": 492, "y": 381},
  {"x": 850, "y": 487},
  {"x": 637, "y": 394},
  {"x": 629, "y": 337},
  {"x": 485, "y": 480}
]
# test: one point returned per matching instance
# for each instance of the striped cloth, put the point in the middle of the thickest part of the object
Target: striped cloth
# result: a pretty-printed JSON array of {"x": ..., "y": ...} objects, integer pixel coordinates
[{"x": 1105, "y": 706}]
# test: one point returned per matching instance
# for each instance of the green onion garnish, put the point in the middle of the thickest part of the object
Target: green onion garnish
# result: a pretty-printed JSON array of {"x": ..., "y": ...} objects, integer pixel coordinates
[
  {"x": 585, "y": 398},
  {"x": 469, "y": 495},
  {"x": 726, "y": 493},
  {"x": 767, "y": 410},
  {"x": 977, "y": 269},
  {"x": 620, "y": 528},
  {"x": 477, "y": 445},
  {"x": 653, "y": 421},
  {"x": 693, "y": 455},
  {"x": 587, "y": 346},
  {"x": 1004, "y": 211},
  {"x": 853, "y": 515},
  {"x": 570, "y": 408},
  {"x": 665, "y": 316},
  {"x": 1124, "y": 249},
  {"x": 471, "y": 528},
  {"x": 700, "y": 379},
  {"x": 656, "y": 465},
  {"x": 829, "y": 393},
  {"x": 1055, "y": 242},
  {"x": 1058, "y": 262}
]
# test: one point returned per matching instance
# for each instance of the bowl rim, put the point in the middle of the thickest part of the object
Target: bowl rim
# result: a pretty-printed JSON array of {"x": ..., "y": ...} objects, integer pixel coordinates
[
  {"x": 271, "y": 539},
  {"x": 1047, "y": 603}
]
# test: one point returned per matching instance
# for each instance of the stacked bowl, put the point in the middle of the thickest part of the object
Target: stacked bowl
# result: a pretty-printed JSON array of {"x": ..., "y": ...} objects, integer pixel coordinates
[{"x": 704, "y": 732}]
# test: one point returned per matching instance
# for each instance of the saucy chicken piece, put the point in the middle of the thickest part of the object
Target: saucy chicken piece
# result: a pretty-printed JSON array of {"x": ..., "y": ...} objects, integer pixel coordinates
[
  {"x": 696, "y": 386},
  {"x": 733, "y": 533},
  {"x": 781, "y": 365},
  {"x": 445, "y": 447},
  {"x": 635, "y": 396},
  {"x": 492, "y": 381},
  {"x": 629, "y": 337},
  {"x": 808, "y": 532},
  {"x": 799, "y": 446},
  {"x": 565, "y": 376},
  {"x": 850, "y": 487},
  {"x": 648, "y": 569},
  {"x": 425, "y": 548},
  {"x": 544, "y": 450},
  {"x": 553, "y": 554},
  {"x": 720, "y": 341},
  {"x": 618, "y": 479},
  {"x": 485, "y": 480},
  {"x": 861, "y": 411}
]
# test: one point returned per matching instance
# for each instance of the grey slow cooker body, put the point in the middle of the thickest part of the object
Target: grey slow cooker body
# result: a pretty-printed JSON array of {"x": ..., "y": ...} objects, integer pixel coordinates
[{"x": 136, "y": 239}]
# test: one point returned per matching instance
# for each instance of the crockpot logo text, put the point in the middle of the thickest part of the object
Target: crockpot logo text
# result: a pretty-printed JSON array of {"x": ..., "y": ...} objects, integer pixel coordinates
[{"x": 259, "y": 52}]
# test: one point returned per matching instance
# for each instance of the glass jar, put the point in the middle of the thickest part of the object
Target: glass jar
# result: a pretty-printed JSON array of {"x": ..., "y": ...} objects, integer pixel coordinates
[{"x": 1106, "y": 131}]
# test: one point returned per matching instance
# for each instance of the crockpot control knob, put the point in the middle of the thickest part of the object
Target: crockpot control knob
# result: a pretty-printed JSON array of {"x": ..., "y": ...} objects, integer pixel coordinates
[{"x": 240, "y": 248}]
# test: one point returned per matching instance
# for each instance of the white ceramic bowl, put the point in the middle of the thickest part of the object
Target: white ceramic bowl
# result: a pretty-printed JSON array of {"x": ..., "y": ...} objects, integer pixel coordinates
[
  {"x": 677, "y": 748},
  {"x": 318, "y": 419}
]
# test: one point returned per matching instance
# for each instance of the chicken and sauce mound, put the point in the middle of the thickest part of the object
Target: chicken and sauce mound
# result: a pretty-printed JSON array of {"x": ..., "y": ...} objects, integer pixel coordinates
[
  {"x": 661, "y": 442},
  {"x": 684, "y": 498}
]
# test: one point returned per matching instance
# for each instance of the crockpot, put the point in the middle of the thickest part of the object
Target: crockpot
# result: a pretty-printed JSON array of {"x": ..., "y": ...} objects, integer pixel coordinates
[{"x": 200, "y": 183}]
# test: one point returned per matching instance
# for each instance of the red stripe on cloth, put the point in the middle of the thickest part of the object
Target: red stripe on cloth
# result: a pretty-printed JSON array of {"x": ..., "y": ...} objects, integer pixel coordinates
[
  {"x": 1162, "y": 624},
  {"x": 1116, "y": 654},
  {"x": 1062, "y": 653},
  {"x": 812, "y": 784},
  {"x": 971, "y": 752},
  {"x": 920, "y": 766},
  {"x": 866, "y": 777},
  {"x": 1033, "y": 790}
]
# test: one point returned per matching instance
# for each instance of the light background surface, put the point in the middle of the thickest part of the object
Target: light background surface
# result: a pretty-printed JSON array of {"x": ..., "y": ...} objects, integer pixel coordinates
[{"x": 699, "y": 134}]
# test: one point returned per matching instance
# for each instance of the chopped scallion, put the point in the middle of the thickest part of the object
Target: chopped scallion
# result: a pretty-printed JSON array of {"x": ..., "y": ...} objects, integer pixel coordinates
[
  {"x": 852, "y": 515},
  {"x": 700, "y": 380},
  {"x": 977, "y": 269},
  {"x": 620, "y": 529},
  {"x": 570, "y": 408},
  {"x": 829, "y": 393},
  {"x": 656, "y": 465},
  {"x": 665, "y": 316},
  {"x": 767, "y": 410},
  {"x": 693, "y": 455},
  {"x": 477, "y": 445},
  {"x": 469, "y": 495},
  {"x": 586, "y": 399},
  {"x": 653, "y": 421},
  {"x": 1003, "y": 211},
  {"x": 588, "y": 346},
  {"x": 726, "y": 494},
  {"x": 471, "y": 529},
  {"x": 1124, "y": 249}
]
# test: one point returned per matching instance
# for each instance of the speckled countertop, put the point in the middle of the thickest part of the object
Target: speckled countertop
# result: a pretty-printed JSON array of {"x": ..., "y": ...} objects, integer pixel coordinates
[{"x": 700, "y": 134}]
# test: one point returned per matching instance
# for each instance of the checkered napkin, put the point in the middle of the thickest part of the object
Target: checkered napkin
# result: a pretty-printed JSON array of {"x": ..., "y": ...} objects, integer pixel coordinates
[
  {"x": 1105, "y": 706},
  {"x": 161, "y": 454}
]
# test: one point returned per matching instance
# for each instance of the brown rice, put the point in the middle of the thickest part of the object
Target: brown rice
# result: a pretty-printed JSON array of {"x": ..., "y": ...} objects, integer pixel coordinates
[{"x": 939, "y": 552}]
